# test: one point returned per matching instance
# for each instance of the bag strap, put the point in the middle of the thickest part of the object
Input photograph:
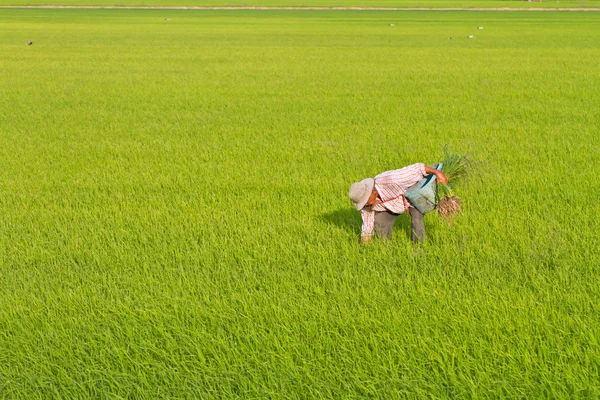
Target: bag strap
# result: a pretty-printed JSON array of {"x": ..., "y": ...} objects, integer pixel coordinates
[{"x": 406, "y": 203}]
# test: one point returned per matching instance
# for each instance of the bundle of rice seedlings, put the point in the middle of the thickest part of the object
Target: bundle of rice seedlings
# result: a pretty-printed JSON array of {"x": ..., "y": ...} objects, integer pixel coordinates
[
  {"x": 449, "y": 207},
  {"x": 455, "y": 166}
]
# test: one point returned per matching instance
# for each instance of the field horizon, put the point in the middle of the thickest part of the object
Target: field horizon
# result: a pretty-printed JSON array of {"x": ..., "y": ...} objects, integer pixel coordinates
[{"x": 424, "y": 4}]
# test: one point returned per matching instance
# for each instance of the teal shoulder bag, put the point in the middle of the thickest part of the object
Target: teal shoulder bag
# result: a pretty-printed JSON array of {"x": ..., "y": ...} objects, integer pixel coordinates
[{"x": 421, "y": 195}]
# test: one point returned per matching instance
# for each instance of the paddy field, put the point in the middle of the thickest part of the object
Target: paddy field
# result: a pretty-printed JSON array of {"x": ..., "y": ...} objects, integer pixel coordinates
[{"x": 174, "y": 220}]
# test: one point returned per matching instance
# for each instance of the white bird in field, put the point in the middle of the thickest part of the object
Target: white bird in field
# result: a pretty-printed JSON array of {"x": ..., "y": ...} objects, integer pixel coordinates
[
  {"x": 480, "y": 28},
  {"x": 29, "y": 42},
  {"x": 471, "y": 37},
  {"x": 392, "y": 25}
]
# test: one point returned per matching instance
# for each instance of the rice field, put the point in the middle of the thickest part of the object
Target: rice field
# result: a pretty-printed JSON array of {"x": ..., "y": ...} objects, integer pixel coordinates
[{"x": 174, "y": 220}]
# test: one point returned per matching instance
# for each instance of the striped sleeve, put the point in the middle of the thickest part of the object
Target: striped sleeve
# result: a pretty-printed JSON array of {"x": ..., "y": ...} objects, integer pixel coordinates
[
  {"x": 368, "y": 217},
  {"x": 421, "y": 168},
  {"x": 412, "y": 173}
]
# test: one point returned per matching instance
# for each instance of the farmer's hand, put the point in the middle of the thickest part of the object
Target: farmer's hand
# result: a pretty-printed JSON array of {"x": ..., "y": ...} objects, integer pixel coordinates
[
  {"x": 441, "y": 177},
  {"x": 365, "y": 240}
]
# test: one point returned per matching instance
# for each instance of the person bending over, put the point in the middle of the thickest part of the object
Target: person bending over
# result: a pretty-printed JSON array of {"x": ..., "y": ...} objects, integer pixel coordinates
[{"x": 381, "y": 200}]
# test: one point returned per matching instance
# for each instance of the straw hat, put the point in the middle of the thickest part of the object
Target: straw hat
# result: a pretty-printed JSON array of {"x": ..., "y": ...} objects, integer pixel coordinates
[{"x": 361, "y": 191}]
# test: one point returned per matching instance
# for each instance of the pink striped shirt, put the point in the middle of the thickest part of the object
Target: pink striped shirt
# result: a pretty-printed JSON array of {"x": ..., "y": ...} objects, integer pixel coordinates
[{"x": 391, "y": 186}]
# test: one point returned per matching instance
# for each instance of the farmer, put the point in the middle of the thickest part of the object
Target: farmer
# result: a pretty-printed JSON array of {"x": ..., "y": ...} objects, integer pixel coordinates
[{"x": 381, "y": 201}]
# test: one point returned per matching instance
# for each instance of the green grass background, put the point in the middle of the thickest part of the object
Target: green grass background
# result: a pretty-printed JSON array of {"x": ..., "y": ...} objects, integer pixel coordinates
[{"x": 174, "y": 219}]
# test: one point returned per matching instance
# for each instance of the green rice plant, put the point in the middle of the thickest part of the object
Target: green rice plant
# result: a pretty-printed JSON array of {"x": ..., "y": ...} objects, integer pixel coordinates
[
  {"x": 456, "y": 168},
  {"x": 443, "y": 191}
]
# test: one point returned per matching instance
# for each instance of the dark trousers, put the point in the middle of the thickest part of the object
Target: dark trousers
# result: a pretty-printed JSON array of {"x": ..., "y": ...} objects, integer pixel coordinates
[{"x": 384, "y": 221}]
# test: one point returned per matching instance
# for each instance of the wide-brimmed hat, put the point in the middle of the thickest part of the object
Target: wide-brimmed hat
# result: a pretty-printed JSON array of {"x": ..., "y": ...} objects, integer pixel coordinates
[{"x": 361, "y": 191}]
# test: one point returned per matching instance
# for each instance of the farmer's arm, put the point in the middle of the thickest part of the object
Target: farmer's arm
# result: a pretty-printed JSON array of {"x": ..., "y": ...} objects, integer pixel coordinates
[
  {"x": 439, "y": 175},
  {"x": 368, "y": 217}
]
